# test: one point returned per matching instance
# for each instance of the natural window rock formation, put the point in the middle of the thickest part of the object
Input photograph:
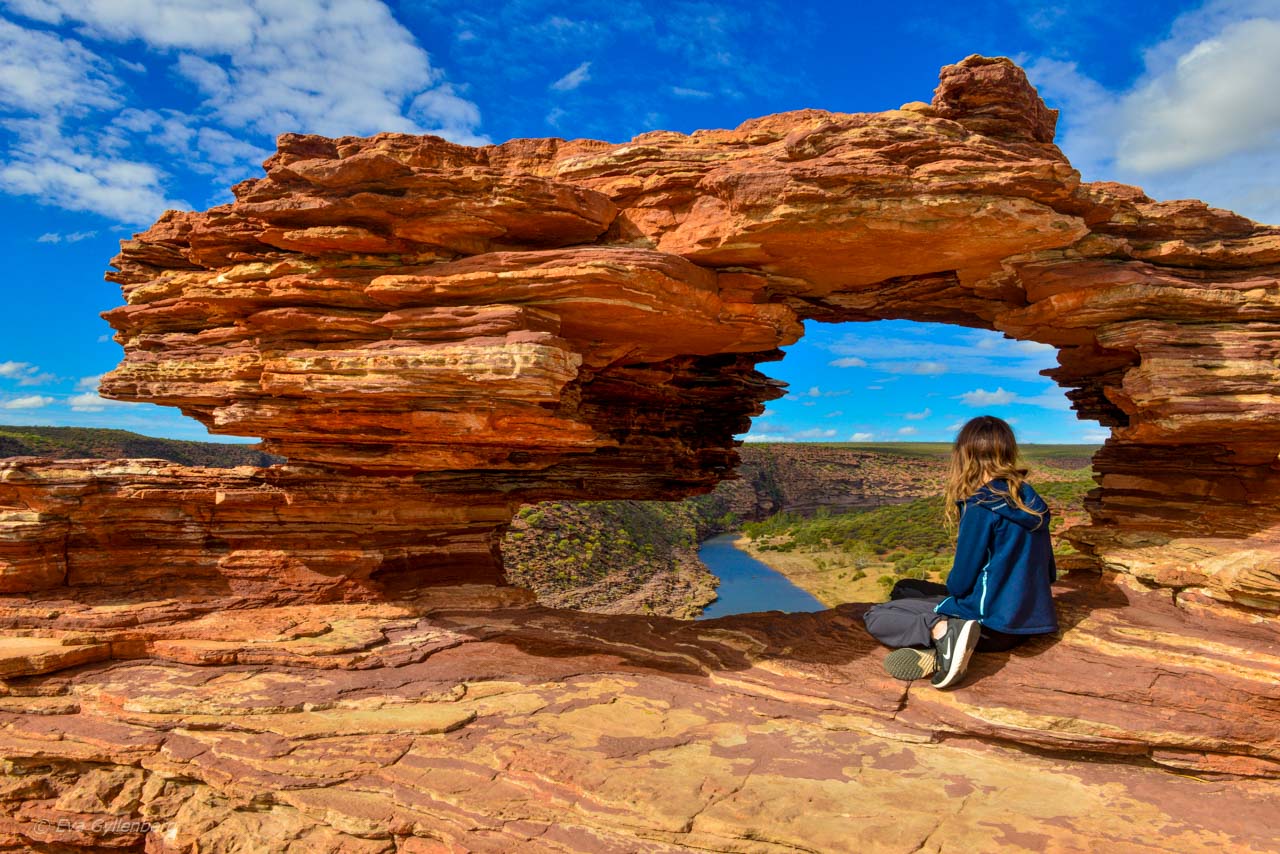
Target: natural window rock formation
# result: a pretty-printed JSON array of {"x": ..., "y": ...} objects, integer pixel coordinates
[{"x": 324, "y": 655}]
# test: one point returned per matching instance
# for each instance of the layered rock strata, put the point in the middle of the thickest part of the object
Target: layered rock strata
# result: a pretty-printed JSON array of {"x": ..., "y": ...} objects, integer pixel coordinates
[
  {"x": 432, "y": 334},
  {"x": 574, "y": 319},
  {"x": 468, "y": 719}
]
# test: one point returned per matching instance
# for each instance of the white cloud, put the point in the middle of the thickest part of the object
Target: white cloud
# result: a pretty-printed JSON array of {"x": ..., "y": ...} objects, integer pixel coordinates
[
  {"x": 1202, "y": 120},
  {"x": 1051, "y": 398},
  {"x": 307, "y": 65},
  {"x": 907, "y": 431},
  {"x": 45, "y": 82},
  {"x": 814, "y": 433},
  {"x": 954, "y": 425},
  {"x": 1218, "y": 98},
  {"x": 30, "y": 401},
  {"x": 848, "y": 362},
  {"x": 25, "y": 373},
  {"x": 42, "y": 73},
  {"x": 969, "y": 351},
  {"x": 89, "y": 382},
  {"x": 71, "y": 237},
  {"x": 982, "y": 397},
  {"x": 261, "y": 67},
  {"x": 916, "y": 416},
  {"x": 687, "y": 92},
  {"x": 862, "y": 437},
  {"x": 765, "y": 437},
  {"x": 66, "y": 172},
  {"x": 16, "y": 369},
  {"x": 573, "y": 79},
  {"x": 89, "y": 401}
]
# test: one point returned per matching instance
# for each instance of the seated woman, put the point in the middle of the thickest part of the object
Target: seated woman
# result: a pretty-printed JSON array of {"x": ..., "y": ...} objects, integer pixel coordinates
[{"x": 998, "y": 591}]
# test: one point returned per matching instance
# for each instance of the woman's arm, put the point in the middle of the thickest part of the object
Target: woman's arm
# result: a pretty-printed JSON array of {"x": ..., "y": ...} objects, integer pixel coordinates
[{"x": 973, "y": 542}]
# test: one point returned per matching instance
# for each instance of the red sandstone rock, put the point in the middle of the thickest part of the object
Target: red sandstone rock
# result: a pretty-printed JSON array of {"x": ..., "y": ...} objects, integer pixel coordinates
[
  {"x": 368, "y": 305},
  {"x": 475, "y": 720},
  {"x": 435, "y": 333}
]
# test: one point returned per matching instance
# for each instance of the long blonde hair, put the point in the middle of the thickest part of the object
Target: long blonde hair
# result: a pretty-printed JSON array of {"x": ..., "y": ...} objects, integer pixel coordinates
[{"x": 985, "y": 443}]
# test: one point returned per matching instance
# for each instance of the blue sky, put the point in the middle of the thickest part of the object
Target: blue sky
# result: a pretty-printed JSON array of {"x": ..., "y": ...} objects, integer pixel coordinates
[{"x": 113, "y": 110}]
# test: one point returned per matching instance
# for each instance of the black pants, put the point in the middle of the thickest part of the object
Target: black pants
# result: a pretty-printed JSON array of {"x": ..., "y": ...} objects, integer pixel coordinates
[{"x": 908, "y": 618}]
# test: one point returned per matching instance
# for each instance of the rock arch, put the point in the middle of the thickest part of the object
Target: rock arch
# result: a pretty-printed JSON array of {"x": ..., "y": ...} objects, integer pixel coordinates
[{"x": 580, "y": 319}]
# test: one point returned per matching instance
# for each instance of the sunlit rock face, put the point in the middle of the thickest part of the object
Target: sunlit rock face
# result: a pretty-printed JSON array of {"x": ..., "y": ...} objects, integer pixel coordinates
[
  {"x": 324, "y": 655},
  {"x": 580, "y": 319}
]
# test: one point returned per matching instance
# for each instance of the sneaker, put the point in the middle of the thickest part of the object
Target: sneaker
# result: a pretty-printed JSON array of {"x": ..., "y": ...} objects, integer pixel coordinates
[
  {"x": 908, "y": 663},
  {"x": 954, "y": 649}
]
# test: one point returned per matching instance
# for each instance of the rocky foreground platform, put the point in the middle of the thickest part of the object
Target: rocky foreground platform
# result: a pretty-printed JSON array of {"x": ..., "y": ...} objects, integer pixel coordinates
[{"x": 471, "y": 719}]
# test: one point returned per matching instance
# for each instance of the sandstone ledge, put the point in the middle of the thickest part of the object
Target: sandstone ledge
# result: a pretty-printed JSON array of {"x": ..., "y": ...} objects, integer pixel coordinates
[{"x": 468, "y": 718}]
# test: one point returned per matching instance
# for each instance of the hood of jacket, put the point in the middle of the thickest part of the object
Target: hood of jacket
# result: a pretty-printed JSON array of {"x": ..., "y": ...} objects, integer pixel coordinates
[{"x": 996, "y": 503}]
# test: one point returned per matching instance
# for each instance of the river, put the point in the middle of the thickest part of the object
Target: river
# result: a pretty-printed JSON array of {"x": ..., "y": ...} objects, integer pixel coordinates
[{"x": 748, "y": 585}]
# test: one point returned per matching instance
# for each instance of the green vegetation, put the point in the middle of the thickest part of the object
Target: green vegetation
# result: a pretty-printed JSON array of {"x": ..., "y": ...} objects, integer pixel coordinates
[
  {"x": 97, "y": 443},
  {"x": 941, "y": 449},
  {"x": 638, "y": 556},
  {"x": 641, "y": 556},
  {"x": 853, "y": 555}
]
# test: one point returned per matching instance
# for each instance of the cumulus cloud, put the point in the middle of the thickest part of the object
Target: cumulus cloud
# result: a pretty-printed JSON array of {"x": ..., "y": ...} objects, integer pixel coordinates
[
  {"x": 764, "y": 437},
  {"x": 907, "y": 431},
  {"x": 65, "y": 171},
  {"x": 25, "y": 373},
  {"x": 862, "y": 437},
  {"x": 1201, "y": 121},
  {"x": 308, "y": 65},
  {"x": 1051, "y": 398},
  {"x": 89, "y": 401},
  {"x": 916, "y": 416},
  {"x": 30, "y": 401},
  {"x": 982, "y": 397},
  {"x": 260, "y": 67},
  {"x": 785, "y": 433},
  {"x": 41, "y": 72},
  {"x": 16, "y": 369},
  {"x": 970, "y": 351},
  {"x": 46, "y": 82},
  {"x": 573, "y": 79},
  {"x": 1217, "y": 99}
]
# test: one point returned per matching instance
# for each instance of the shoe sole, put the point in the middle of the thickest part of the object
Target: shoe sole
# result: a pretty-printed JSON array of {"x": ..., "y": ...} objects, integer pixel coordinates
[
  {"x": 967, "y": 641},
  {"x": 910, "y": 663}
]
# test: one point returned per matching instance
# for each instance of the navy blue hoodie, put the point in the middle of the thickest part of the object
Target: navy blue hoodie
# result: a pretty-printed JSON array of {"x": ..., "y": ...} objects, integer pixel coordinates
[{"x": 1004, "y": 564}]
